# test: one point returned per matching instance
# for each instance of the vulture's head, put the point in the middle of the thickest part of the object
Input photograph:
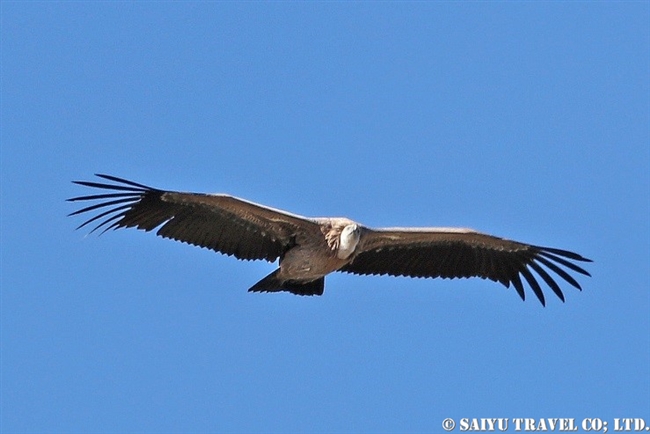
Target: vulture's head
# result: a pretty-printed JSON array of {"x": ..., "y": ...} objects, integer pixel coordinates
[{"x": 349, "y": 240}]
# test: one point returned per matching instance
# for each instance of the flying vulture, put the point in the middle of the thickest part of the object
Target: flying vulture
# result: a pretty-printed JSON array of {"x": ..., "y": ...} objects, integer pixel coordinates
[{"x": 310, "y": 248}]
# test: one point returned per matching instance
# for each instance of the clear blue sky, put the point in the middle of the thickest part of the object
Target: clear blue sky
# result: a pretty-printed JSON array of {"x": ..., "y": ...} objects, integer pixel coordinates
[{"x": 526, "y": 120}]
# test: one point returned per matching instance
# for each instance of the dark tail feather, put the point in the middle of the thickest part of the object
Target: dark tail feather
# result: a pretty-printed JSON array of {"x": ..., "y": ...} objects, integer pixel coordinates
[{"x": 272, "y": 284}]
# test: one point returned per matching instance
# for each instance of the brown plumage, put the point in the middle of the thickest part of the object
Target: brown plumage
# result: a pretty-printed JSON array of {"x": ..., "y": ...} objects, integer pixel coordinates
[{"x": 310, "y": 248}]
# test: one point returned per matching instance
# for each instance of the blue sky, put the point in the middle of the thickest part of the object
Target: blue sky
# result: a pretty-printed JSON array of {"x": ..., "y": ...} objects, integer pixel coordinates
[{"x": 526, "y": 120}]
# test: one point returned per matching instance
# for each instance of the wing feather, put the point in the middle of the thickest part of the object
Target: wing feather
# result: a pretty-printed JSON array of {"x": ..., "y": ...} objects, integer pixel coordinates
[
  {"x": 458, "y": 253},
  {"x": 218, "y": 222},
  {"x": 548, "y": 279},
  {"x": 537, "y": 290},
  {"x": 519, "y": 287}
]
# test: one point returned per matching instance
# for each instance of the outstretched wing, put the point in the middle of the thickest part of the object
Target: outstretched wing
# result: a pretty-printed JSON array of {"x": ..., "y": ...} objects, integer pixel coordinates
[
  {"x": 451, "y": 253},
  {"x": 218, "y": 222}
]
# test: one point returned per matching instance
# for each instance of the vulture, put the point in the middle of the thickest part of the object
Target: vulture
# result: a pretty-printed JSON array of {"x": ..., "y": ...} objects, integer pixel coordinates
[{"x": 310, "y": 248}]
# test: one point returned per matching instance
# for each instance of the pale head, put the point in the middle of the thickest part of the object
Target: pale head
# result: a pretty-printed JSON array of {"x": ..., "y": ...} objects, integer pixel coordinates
[{"x": 349, "y": 239}]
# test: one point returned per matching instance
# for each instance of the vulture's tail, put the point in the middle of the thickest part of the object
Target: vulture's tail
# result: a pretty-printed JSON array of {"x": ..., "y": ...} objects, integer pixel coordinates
[{"x": 272, "y": 284}]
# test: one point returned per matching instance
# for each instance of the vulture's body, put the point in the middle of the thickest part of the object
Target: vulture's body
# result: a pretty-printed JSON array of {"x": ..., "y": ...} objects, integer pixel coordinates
[{"x": 310, "y": 248}]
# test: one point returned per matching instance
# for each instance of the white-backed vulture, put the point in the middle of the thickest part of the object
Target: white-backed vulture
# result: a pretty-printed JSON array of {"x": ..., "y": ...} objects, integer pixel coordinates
[{"x": 310, "y": 248}]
